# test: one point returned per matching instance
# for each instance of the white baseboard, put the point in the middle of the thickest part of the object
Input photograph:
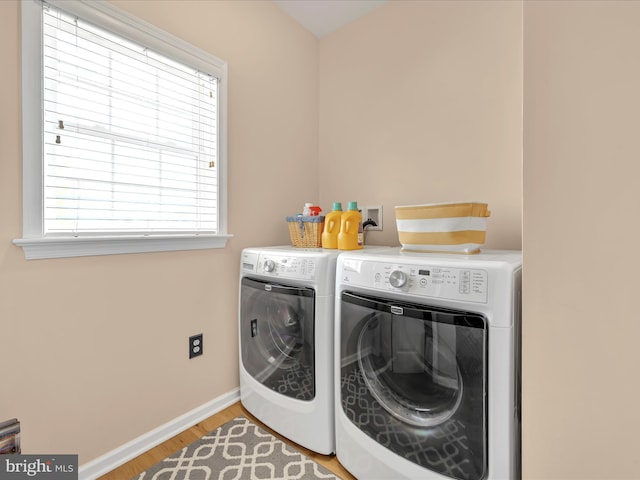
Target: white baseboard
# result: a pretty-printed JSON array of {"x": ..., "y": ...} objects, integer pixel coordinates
[{"x": 113, "y": 459}]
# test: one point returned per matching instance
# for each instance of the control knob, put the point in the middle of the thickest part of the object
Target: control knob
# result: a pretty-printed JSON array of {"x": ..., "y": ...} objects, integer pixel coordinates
[
  {"x": 398, "y": 279},
  {"x": 269, "y": 265}
]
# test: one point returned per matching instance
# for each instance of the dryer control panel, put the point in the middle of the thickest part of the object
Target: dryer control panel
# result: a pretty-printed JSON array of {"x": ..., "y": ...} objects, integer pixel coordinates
[
  {"x": 467, "y": 284},
  {"x": 282, "y": 266}
]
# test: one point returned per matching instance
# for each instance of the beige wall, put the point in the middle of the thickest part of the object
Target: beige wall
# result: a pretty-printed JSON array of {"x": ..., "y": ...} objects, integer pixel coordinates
[
  {"x": 581, "y": 230},
  {"x": 421, "y": 102},
  {"x": 94, "y": 349}
]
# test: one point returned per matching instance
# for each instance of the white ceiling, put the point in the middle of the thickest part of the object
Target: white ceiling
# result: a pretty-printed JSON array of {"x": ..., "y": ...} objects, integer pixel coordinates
[{"x": 322, "y": 17}]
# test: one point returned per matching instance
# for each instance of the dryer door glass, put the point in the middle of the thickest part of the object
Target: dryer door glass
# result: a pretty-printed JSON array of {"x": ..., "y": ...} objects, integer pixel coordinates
[
  {"x": 413, "y": 378},
  {"x": 276, "y": 332}
]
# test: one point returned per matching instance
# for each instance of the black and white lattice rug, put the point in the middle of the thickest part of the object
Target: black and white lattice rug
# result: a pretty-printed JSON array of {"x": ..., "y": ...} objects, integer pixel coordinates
[{"x": 238, "y": 450}]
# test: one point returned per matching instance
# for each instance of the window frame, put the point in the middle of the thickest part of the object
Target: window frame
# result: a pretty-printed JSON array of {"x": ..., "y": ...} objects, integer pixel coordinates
[{"x": 35, "y": 244}]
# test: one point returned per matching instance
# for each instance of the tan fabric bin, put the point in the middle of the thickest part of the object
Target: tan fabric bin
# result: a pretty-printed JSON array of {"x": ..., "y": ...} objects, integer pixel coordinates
[{"x": 442, "y": 227}]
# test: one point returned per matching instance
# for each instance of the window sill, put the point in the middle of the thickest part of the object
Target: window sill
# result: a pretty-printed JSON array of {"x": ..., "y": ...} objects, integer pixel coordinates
[{"x": 55, "y": 247}]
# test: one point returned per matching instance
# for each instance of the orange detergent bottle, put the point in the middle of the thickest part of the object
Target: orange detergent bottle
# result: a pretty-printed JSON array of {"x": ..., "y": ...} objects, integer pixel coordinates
[
  {"x": 332, "y": 226},
  {"x": 351, "y": 236}
]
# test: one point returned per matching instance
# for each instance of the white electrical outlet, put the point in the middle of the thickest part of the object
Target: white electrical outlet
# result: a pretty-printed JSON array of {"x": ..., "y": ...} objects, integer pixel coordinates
[{"x": 375, "y": 214}]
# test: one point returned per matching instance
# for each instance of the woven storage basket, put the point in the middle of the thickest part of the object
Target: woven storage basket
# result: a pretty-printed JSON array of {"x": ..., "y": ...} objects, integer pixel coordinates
[
  {"x": 306, "y": 231},
  {"x": 443, "y": 227}
]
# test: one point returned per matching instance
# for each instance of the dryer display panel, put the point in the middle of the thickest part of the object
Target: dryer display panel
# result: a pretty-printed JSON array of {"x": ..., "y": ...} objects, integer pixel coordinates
[
  {"x": 414, "y": 379},
  {"x": 293, "y": 267},
  {"x": 277, "y": 336},
  {"x": 437, "y": 281}
]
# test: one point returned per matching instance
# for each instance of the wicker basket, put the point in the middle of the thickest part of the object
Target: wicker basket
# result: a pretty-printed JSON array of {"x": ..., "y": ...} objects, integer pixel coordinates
[{"x": 306, "y": 231}]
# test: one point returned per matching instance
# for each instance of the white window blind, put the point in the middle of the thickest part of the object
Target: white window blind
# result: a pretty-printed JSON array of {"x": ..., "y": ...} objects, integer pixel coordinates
[{"x": 130, "y": 136}]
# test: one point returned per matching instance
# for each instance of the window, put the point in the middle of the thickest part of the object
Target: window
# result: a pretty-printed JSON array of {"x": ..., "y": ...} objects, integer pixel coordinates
[{"x": 123, "y": 135}]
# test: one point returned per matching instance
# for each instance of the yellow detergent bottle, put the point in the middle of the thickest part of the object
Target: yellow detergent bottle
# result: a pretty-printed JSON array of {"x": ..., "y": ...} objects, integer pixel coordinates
[
  {"x": 351, "y": 236},
  {"x": 332, "y": 226}
]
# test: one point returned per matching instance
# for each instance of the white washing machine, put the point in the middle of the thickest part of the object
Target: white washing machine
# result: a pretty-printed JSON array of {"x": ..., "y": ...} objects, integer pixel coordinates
[
  {"x": 428, "y": 365},
  {"x": 286, "y": 333}
]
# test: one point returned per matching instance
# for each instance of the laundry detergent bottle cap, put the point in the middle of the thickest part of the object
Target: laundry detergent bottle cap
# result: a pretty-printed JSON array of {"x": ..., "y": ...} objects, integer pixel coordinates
[
  {"x": 332, "y": 226},
  {"x": 351, "y": 236}
]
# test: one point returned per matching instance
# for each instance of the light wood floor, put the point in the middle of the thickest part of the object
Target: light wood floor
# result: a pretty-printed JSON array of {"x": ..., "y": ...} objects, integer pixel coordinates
[{"x": 144, "y": 461}]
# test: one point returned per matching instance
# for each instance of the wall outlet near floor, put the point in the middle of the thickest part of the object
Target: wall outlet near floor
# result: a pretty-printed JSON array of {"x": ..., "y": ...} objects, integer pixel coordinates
[
  {"x": 195, "y": 345},
  {"x": 375, "y": 214}
]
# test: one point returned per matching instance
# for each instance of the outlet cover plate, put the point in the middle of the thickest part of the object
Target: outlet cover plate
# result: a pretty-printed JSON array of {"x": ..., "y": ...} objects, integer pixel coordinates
[{"x": 195, "y": 345}]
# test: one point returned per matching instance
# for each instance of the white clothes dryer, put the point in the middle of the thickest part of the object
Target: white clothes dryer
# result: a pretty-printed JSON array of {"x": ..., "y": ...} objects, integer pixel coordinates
[
  {"x": 427, "y": 365},
  {"x": 286, "y": 331}
]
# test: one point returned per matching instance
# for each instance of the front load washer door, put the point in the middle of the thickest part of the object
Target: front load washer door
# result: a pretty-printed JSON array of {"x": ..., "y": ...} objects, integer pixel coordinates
[
  {"x": 276, "y": 334},
  {"x": 414, "y": 379}
]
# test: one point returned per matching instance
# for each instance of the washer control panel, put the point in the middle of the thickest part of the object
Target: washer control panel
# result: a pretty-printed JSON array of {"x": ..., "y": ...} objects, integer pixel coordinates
[
  {"x": 467, "y": 284},
  {"x": 276, "y": 265}
]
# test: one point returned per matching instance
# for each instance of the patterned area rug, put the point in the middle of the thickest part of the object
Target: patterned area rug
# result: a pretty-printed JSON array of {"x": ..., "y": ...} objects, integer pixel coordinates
[{"x": 238, "y": 450}]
